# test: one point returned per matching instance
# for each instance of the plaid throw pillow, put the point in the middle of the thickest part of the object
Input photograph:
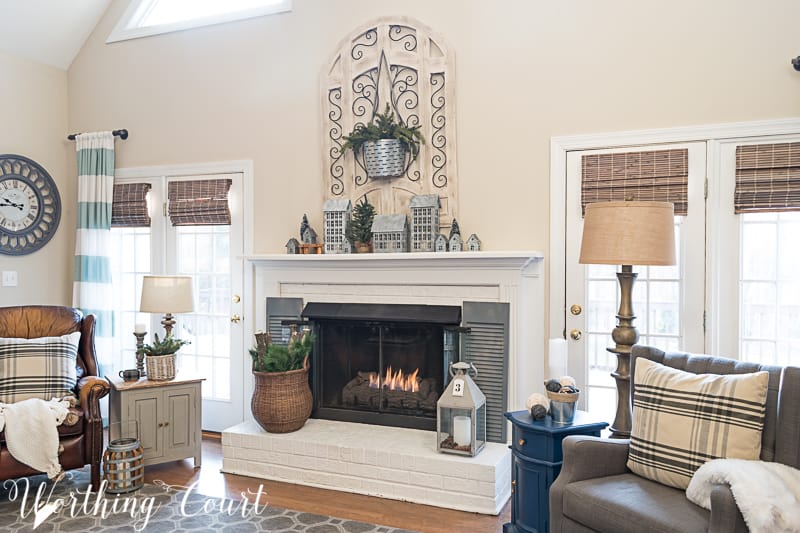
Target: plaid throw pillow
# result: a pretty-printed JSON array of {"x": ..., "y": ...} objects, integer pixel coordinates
[
  {"x": 682, "y": 420},
  {"x": 38, "y": 368}
]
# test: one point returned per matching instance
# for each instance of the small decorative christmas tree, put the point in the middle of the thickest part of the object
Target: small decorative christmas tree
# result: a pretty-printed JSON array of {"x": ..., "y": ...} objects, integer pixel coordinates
[{"x": 360, "y": 228}]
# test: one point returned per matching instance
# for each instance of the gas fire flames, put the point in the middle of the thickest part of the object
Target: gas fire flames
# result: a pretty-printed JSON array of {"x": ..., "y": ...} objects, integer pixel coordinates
[{"x": 395, "y": 380}]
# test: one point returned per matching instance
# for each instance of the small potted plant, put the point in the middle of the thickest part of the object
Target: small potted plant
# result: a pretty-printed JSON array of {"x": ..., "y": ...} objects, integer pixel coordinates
[
  {"x": 281, "y": 400},
  {"x": 160, "y": 357},
  {"x": 359, "y": 231},
  {"x": 384, "y": 143}
]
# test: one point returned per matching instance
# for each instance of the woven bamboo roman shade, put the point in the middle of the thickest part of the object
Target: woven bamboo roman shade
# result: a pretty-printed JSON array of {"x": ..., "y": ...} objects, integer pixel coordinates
[
  {"x": 199, "y": 202},
  {"x": 652, "y": 176},
  {"x": 767, "y": 178},
  {"x": 129, "y": 205}
]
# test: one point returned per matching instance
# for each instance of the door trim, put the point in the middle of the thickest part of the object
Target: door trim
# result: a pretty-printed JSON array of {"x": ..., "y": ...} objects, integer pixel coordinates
[{"x": 559, "y": 146}]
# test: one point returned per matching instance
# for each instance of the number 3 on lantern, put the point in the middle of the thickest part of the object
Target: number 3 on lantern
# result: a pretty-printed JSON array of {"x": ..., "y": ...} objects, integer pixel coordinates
[{"x": 458, "y": 387}]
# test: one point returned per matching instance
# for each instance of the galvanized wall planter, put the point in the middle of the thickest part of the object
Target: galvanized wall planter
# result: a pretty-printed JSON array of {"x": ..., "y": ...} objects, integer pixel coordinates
[{"x": 385, "y": 158}]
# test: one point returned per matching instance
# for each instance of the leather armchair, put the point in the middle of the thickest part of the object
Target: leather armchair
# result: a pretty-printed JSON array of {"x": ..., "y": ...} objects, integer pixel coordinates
[
  {"x": 82, "y": 440},
  {"x": 595, "y": 491}
]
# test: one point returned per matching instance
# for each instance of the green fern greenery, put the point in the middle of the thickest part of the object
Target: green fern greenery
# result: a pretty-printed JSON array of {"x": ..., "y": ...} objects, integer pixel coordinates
[
  {"x": 163, "y": 347},
  {"x": 384, "y": 126},
  {"x": 279, "y": 358}
]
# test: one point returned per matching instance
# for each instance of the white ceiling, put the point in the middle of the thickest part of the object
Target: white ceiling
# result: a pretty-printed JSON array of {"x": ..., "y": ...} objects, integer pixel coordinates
[{"x": 48, "y": 31}]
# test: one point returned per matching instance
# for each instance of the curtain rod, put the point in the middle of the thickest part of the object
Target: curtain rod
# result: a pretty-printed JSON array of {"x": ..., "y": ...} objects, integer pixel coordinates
[{"x": 122, "y": 134}]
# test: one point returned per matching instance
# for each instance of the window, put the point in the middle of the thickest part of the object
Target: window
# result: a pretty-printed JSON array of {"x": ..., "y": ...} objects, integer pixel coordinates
[
  {"x": 756, "y": 311},
  {"x": 769, "y": 288},
  {"x": 153, "y": 17},
  {"x": 130, "y": 260}
]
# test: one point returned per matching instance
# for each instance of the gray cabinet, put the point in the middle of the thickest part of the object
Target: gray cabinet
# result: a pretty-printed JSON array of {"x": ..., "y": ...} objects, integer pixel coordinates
[{"x": 168, "y": 414}]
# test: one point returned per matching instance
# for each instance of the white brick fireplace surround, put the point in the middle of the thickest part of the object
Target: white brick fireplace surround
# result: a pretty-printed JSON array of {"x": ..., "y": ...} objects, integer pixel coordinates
[{"x": 395, "y": 462}]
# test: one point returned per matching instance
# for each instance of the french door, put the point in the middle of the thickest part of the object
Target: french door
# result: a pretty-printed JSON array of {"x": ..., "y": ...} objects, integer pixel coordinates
[
  {"x": 668, "y": 301},
  {"x": 755, "y": 268},
  {"x": 212, "y": 256}
]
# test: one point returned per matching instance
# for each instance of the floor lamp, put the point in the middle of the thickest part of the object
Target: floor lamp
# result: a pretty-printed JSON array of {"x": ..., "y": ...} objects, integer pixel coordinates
[{"x": 627, "y": 233}]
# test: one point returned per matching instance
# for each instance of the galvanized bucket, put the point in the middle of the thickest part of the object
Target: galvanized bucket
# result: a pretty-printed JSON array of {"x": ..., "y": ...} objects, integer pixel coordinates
[
  {"x": 384, "y": 158},
  {"x": 562, "y": 412}
]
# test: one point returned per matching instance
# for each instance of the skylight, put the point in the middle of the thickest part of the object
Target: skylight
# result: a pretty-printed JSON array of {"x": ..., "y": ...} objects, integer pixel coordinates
[{"x": 151, "y": 17}]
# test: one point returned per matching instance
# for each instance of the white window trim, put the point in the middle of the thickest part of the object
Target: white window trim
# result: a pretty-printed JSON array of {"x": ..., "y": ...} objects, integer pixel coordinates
[
  {"x": 712, "y": 134},
  {"x": 128, "y": 25}
]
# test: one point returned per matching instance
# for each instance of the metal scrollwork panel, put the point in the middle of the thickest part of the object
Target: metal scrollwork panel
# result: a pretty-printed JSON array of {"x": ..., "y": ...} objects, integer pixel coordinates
[{"x": 401, "y": 63}]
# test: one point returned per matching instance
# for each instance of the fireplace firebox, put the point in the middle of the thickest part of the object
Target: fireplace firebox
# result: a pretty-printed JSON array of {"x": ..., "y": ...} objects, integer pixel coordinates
[{"x": 382, "y": 364}]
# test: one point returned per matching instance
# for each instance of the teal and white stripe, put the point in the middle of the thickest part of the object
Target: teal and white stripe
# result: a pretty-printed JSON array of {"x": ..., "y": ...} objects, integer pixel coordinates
[{"x": 91, "y": 290}]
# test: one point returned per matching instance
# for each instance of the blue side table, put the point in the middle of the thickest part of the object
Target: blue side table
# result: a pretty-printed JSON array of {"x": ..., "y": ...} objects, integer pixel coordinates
[{"x": 535, "y": 463}]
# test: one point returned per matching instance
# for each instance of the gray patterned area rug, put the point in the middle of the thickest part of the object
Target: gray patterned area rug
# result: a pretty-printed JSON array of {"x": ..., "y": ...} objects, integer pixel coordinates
[{"x": 65, "y": 506}]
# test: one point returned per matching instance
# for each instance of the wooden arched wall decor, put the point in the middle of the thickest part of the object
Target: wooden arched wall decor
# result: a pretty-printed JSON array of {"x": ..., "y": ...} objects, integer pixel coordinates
[{"x": 399, "y": 61}]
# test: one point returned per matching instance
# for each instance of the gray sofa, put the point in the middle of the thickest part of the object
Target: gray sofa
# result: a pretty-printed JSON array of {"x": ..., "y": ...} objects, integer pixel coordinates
[{"x": 596, "y": 492}]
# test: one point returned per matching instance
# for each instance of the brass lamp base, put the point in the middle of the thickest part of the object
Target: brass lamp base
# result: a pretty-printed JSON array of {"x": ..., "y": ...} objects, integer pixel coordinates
[{"x": 625, "y": 336}]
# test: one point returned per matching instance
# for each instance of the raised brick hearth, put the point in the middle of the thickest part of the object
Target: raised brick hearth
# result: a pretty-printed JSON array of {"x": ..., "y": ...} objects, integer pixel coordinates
[{"x": 396, "y": 463}]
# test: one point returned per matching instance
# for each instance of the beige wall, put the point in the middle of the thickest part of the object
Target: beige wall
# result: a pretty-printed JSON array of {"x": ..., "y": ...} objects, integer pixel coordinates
[
  {"x": 33, "y": 114},
  {"x": 525, "y": 71}
]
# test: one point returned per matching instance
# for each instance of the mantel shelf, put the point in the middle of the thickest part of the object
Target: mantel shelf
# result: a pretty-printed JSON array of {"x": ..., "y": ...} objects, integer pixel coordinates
[{"x": 451, "y": 260}]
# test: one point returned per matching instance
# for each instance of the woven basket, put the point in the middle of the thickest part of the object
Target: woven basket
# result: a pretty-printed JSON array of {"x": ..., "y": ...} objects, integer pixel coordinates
[
  {"x": 563, "y": 396},
  {"x": 160, "y": 367},
  {"x": 282, "y": 400}
]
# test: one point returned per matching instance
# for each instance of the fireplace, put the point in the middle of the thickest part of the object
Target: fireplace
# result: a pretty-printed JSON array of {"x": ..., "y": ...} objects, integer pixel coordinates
[{"x": 383, "y": 364}]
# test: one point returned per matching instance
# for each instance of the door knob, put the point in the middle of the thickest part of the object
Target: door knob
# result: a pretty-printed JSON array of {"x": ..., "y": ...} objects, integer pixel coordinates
[
  {"x": 575, "y": 309},
  {"x": 236, "y": 319},
  {"x": 576, "y": 334},
  {"x": 236, "y": 298}
]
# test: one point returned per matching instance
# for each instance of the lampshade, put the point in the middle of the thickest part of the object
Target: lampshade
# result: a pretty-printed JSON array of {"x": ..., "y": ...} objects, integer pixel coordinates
[
  {"x": 167, "y": 294},
  {"x": 628, "y": 233}
]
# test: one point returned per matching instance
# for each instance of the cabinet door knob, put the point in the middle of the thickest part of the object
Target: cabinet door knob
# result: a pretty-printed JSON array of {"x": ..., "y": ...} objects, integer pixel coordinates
[
  {"x": 521, "y": 442},
  {"x": 161, "y": 424}
]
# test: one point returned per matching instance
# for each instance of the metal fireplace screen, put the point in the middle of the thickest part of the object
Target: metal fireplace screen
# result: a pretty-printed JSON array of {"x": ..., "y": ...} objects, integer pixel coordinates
[{"x": 381, "y": 364}]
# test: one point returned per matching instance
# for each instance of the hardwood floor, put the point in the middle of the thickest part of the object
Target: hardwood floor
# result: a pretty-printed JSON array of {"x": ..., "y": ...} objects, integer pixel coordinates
[{"x": 211, "y": 482}]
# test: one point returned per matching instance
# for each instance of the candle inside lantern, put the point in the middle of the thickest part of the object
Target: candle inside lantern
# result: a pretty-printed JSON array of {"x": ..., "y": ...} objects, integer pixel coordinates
[
  {"x": 462, "y": 430},
  {"x": 139, "y": 328}
]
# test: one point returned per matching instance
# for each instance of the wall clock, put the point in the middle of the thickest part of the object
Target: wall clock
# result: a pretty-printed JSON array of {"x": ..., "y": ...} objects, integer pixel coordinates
[{"x": 30, "y": 206}]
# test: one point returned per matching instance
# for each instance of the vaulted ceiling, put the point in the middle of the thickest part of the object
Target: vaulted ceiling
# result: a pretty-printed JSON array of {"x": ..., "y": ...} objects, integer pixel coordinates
[{"x": 48, "y": 31}]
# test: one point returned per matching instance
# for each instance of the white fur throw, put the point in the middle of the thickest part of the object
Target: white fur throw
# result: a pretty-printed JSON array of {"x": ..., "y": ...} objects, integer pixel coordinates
[
  {"x": 767, "y": 494},
  {"x": 32, "y": 434}
]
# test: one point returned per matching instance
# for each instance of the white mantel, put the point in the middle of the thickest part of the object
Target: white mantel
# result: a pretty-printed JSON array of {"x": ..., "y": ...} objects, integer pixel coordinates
[{"x": 448, "y": 278}]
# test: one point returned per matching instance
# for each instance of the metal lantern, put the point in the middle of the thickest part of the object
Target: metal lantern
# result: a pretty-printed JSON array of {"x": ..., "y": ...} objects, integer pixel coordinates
[{"x": 461, "y": 413}]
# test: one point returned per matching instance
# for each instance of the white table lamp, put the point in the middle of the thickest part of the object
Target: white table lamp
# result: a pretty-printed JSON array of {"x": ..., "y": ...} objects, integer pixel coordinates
[{"x": 168, "y": 295}]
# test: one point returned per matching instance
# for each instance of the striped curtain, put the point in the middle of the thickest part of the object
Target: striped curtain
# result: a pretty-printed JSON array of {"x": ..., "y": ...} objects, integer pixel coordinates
[{"x": 91, "y": 290}]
